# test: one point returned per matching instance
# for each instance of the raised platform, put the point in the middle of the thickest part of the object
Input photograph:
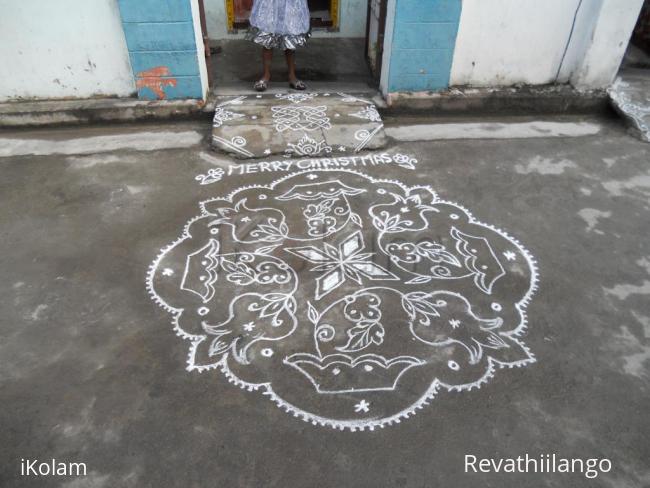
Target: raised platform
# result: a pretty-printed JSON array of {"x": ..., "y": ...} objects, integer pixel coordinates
[{"x": 296, "y": 124}]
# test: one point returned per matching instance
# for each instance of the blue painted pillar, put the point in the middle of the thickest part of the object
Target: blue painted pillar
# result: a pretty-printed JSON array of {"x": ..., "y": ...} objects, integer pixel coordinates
[
  {"x": 166, "y": 59},
  {"x": 422, "y": 51}
]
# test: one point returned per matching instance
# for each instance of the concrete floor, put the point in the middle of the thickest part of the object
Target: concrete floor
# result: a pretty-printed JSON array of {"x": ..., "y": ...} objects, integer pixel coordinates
[
  {"x": 93, "y": 372},
  {"x": 322, "y": 61}
]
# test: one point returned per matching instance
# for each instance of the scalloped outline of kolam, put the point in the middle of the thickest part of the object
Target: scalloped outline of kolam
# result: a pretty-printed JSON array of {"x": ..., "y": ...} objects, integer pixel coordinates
[{"x": 482, "y": 328}]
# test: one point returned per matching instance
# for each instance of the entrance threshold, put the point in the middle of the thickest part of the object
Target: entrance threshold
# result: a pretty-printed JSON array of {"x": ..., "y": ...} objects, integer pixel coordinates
[
  {"x": 243, "y": 88},
  {"x": 324, "y": 64}
]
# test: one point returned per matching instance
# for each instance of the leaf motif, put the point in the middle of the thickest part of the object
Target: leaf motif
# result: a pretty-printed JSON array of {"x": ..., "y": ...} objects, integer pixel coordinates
[
  {"x": 273, "y": 308},
  {"x": 312, "y": 313},
  {"x": 408, "y": 307},
  {"x": 325, "y": 205},
  {"x": 447, "y": 257},
  {"x": 274, "y": 297},
  {"x": 379, "y": 223},
  {"x": 267, "y": 250},
  {"x": 363, "y": 335},
  {"x": 420, "y": 301},
  {"x": 392, "y": 221},
  {"x": 437, "y": 253},
  {"x": 356, "y": 219},
  {"x": 418, "y": 280},
  {"x": 239, "y": 272},
  {"x": 229, "y": 266}
]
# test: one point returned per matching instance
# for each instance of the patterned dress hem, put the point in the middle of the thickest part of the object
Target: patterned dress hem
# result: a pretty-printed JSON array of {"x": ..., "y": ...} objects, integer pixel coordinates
[{"x": 274, "y": 41}]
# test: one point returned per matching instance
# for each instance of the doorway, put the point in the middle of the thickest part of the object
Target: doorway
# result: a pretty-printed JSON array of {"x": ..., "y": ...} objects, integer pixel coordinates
[{"x": 344, "y": 52}]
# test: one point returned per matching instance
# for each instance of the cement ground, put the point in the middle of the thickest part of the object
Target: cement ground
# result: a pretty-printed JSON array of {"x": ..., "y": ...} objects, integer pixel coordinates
[
  {"x": 336, "y": 61},
  {"x": 93, "y": 372}
]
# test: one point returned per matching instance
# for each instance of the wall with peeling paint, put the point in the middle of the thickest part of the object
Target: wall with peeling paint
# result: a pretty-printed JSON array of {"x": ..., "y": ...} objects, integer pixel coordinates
[{"x": 63, "y": 49}]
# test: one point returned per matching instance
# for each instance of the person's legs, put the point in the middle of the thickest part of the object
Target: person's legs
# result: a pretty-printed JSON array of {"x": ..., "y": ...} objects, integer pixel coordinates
[
  {"x": 294, "y": 82},
  {"x": 267, "y": 58},
  {"x": 291, "y": 64}
]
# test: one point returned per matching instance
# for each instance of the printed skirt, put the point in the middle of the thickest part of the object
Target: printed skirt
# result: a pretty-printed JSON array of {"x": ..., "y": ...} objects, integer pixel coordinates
[{"x": 280, "y": 24}]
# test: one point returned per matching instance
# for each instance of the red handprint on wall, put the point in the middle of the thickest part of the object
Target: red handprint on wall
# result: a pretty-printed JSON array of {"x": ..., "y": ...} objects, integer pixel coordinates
[{"x": 156, "y": 79}]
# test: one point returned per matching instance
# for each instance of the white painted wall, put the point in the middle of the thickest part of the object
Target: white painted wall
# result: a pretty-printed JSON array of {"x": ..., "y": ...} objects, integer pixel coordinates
[
  {"x": 507, "y": 42},
  {"x": 391, "y": 6},
  {"x": 61, "y": 49},
  {"x": 352, "y": 20},
  {"x": 373, "y": 33},
  {"x": 607, "y": 42},
  {"x": 200, "y": 48}
]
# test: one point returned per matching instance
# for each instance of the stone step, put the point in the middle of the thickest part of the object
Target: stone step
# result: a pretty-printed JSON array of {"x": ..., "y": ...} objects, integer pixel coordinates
[{"x": 296, "y": 124}]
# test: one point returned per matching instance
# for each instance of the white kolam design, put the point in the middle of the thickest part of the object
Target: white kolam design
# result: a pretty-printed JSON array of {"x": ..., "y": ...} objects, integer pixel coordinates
[
  {"x": 308, "y": 146},
  {"x": 304, "y": 124},
  {"x": 212, "y": 176},
  {"x": 300, "y": 117},
  {"x": 222, "y": 114},
  {"x": 349, "y": 301},
  {"x": 296, "y": 97}
]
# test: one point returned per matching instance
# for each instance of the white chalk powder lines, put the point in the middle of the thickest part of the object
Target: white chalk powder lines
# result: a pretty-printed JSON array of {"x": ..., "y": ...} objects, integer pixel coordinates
[
  {"x": 301, "y": 124},
  {"x": 349, "y": 301}
]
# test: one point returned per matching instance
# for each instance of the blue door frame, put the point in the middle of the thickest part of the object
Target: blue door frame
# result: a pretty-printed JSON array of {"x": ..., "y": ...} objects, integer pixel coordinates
[
  {"x": 162, "y": 43},
  {"x": 422, "y": 46}
]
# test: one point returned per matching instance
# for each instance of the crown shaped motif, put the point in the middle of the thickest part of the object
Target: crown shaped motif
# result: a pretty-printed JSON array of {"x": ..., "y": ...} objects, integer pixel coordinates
[
  {"x": 339, "y": 373},
  {"x": 201, "y": 271}
]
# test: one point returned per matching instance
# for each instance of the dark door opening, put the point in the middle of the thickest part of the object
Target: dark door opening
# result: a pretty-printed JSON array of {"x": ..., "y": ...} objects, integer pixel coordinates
[{"x": 328, "y": 63}]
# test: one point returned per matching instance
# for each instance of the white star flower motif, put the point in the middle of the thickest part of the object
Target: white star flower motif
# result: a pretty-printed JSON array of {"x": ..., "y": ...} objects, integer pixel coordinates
[
  {"x": 348, "y": 261},
  {"x": 267, "y": 151},
  {"x": 312, "y": 176},
  {"x": 342, "y": 148},
  {"x": 168, "y": 272},
  {"x": 509, "y": 255},
  {"x": 455, "y": 323},
  {"x": 362, "y": 406},
  {"x": 246, "y": 219},
  {"x": 404, "y": 209},
  {"x": 249, "y": 326}
]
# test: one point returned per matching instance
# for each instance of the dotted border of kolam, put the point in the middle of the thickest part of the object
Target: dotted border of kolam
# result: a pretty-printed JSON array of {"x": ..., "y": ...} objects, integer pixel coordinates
[{"x": 352, "y": 425}]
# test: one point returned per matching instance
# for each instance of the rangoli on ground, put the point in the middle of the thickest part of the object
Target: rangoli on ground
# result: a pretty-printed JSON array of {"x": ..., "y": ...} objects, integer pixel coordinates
[{"x": 347, "y": 300}]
